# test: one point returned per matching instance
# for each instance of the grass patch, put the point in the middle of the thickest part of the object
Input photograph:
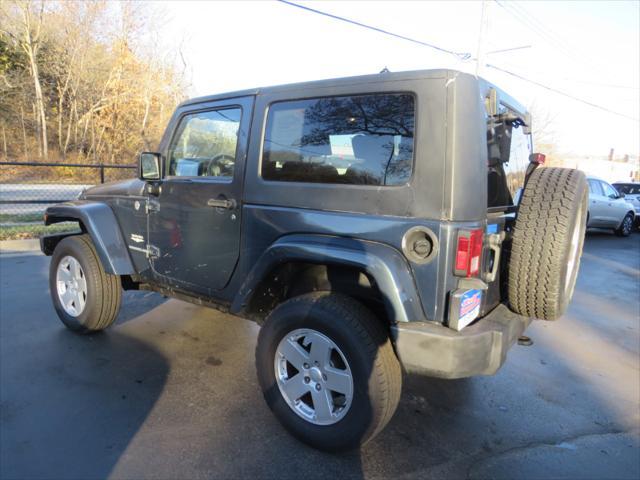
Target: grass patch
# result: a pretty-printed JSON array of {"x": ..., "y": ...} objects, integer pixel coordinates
[
  {"x": 22, "y": 232},
  {"x": 20, "y": 217}
]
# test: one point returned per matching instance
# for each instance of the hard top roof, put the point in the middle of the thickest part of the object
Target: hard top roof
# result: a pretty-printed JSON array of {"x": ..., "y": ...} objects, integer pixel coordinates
[{"x": 361, "y": 79}]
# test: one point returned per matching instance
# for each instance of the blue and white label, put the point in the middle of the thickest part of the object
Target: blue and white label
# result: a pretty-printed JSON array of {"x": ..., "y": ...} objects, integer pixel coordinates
[{"x": 469, "y": 307}]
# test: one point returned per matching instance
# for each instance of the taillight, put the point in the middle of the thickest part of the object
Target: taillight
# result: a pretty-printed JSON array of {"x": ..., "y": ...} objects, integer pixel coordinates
[
  {"x": 538, "y": 158},
  {"x": 468, "y": 253}
]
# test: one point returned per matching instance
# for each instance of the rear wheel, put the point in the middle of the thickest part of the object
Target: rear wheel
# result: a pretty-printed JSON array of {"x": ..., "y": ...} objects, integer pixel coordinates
[
  {"x": 328, "y": 371},
  {"x": 86, "y": 298},
  {"x": 625, "y": 228},
  {"x": 548, "y": 237}
]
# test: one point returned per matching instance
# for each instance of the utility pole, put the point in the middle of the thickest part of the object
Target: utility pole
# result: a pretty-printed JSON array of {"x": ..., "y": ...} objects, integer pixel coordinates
[{"x": 482, "y": 38}]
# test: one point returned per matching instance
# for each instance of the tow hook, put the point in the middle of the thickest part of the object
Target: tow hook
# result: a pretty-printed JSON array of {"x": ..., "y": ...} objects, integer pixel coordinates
[{"x": 525, "y": 341}]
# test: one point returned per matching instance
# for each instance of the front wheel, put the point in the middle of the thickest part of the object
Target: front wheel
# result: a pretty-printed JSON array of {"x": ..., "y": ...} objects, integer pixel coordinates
[
  {"x": 625, "y": 228},
  {"x": 86, "y": 298},
  {"x": 328, "y": 371}
]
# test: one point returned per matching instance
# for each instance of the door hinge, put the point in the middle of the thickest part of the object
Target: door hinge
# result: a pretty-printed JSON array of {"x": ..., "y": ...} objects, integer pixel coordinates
[
  {"x": 152, "y": 206},
  {"x": 150, "y": 251}
]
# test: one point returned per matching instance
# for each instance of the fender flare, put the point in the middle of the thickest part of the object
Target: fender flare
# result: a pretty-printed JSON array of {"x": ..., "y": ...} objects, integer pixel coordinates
[
  {"x": 101, "y": 224},
  {"x": 386, "y": 265}
]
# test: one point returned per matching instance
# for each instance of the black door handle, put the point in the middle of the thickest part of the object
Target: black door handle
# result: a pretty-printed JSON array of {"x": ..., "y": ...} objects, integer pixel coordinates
[{"x": 229, "y": 204}]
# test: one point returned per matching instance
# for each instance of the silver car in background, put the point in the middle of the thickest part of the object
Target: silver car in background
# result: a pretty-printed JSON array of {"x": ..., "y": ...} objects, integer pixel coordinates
[
  {"x": 608, "y": 208},
  {"x": 631, "y": 192}
]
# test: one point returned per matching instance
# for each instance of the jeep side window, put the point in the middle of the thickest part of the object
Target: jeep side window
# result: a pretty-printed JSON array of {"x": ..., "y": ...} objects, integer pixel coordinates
[
  {"x": 364, "y": 139},
  {"x": 204, "y": 144}
]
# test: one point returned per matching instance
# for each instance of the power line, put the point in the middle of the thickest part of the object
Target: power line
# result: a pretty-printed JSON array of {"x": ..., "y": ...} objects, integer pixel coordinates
[
  {"x": 560, "y": 92},
  {"x": 606, "y": 85},
  {"x": 534, "y": 25},
  {"x": 459, "y": 55},
  {"x": 554, "y": 40},
  {"x": 502, "y": 50}
]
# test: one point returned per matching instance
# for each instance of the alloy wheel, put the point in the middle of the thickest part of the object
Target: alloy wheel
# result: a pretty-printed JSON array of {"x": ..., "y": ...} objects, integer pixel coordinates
[
  {"x": 71, "y": 285},
  {"x": 313, "y": 376}
]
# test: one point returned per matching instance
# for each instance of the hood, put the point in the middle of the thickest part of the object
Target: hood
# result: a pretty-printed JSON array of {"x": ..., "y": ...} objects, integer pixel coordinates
[{"x": 130, "y": 187}]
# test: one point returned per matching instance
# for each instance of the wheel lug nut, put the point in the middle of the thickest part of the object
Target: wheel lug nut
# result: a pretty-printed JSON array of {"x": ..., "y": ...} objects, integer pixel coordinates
[
  {"x": 305, "y": 366},
  {"x": 318, "y": 387},
  {"x": 306, "y": 379}
]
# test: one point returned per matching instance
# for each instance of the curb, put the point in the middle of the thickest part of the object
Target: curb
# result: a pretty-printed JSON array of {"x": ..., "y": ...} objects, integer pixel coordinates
[{"x": 18, "y": 246}]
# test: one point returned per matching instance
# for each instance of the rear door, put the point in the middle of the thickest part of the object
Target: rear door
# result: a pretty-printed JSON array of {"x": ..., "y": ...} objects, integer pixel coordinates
[
  {"x": 509, "y": 148},
  {"x": 597, "y": 204},
  {"x": 194, "y": 219}
]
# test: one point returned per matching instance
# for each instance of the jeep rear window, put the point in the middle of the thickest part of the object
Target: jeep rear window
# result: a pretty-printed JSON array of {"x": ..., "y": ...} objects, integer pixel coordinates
[{"x": 364, "y": 139}]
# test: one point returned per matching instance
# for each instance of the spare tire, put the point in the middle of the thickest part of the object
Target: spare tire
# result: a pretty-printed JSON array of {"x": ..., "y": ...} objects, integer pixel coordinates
[{"x": 547, "y": 241}]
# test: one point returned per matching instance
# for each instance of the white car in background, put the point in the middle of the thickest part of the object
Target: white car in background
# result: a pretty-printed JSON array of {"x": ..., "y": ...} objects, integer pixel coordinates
[
  {"x": 631, "y": 192},
  {"x": 608, "y": 208}
]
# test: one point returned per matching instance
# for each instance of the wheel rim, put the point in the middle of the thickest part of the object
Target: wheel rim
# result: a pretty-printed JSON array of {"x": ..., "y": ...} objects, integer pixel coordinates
[
  {"x": 71, "y": 285},
  {"x": 313, "y": 376},
  {"x": 626, "y": 225},
  {"x": 573, "y": 262}
]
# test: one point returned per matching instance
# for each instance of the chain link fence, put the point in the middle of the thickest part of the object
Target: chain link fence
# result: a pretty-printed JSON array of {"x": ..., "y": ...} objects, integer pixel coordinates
[{"x": 28, "y": 188}]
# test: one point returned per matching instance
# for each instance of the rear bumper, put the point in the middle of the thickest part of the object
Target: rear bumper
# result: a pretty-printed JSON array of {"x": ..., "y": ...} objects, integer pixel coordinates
[{"x": 438, "y": 351}]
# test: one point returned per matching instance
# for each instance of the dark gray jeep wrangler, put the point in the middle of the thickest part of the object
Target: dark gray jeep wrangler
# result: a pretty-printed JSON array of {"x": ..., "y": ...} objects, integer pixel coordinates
[{"x": 366, "y": 223}]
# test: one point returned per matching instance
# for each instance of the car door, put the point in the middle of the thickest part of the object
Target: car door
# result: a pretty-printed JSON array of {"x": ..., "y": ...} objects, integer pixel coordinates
[
  {"x": 619, "y": 206},
  {"x": 195, "y": 214},
  {"x": 597, "y": 204},
  {"x": 616, "y": 205}
]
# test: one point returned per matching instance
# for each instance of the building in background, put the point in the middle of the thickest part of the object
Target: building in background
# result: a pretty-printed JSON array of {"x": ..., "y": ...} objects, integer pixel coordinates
[{"x": 605, "y": 167}]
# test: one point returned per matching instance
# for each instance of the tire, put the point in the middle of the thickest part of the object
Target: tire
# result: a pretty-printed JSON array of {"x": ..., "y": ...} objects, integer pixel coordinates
[
  {"x": 363, "y": 344},
  {"x": 626, "y": 226},
  {"x": 102, "y": 292},
  {"x": 547, "y": 242}
]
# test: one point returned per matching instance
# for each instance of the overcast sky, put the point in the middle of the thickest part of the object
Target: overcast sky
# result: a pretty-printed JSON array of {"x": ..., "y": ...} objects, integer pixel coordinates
[{"x": 590, "y": 50}]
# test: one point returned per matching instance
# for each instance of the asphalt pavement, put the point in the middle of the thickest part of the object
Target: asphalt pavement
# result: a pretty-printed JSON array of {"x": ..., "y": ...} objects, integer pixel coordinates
[{"x": 170, "y": 392}]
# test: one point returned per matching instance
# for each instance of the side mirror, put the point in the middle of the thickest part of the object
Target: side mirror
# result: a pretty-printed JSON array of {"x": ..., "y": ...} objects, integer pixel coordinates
[{"x": 149, "y": 166}]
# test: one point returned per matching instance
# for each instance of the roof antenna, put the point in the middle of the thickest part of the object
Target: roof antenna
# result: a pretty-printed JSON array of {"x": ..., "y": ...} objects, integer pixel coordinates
[{"x": 385, "y": 70}]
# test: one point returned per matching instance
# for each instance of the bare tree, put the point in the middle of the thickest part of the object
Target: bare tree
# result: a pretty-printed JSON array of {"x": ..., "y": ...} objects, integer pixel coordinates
[
  {"x": 84, "y": 80},
  {"x": 30, "y": 41}
]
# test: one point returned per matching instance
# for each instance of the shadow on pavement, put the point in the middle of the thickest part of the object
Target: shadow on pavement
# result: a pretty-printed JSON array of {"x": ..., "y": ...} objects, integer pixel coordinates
[
  {"x": 72, "y": 405},
  {"x": 136, "y": 303}
]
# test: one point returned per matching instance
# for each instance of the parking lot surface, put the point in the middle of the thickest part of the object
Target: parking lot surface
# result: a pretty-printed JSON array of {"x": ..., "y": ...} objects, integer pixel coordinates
[{"x": 170, "y": 392}]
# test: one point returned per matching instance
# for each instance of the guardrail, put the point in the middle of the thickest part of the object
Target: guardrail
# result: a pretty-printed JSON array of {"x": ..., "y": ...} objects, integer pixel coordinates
[
  {"x": 100, "y": 166},
  {"x": 26, "y": 189}
]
